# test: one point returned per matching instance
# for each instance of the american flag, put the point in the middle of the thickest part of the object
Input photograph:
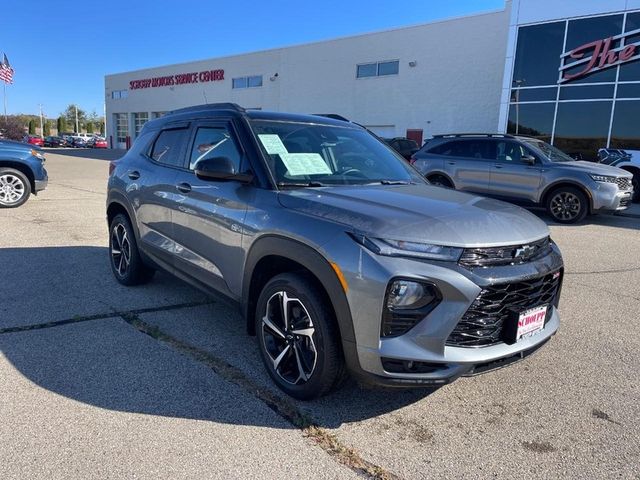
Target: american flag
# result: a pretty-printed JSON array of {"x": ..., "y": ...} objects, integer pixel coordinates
[{"x": 6, "y": 72}]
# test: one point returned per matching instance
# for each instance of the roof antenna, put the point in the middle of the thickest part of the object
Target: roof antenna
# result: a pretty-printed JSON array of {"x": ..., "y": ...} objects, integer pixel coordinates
[{"x": 204, "y": 94}]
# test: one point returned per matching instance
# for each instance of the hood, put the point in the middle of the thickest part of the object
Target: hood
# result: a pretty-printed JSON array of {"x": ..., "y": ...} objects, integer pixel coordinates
[
  {"x": 595, "y": 168},
  {"x": 419, "y": 213}
]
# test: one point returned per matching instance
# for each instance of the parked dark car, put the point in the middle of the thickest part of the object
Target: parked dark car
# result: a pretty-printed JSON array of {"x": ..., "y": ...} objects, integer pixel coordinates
[
  {"x": 403, "y": 146},
  {"x": 55, "y": 142},
  {"x": 79, "y": 142},
  {"x": 339, "y": 254},
  {"x": 22, "y": 173},
  {"x": 525, "y": 170}
]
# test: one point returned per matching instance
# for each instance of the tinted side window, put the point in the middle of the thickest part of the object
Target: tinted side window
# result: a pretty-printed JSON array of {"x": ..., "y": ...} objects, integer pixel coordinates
[
  {"x": 168, "y": 147},
  {"x": 213, "y": 142},
  {"x": 510, "y": 152},
  {"x": 446, "y": 148}
]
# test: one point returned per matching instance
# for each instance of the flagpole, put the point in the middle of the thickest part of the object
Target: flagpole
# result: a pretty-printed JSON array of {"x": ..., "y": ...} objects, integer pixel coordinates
[{"x": 5, "y": 100}]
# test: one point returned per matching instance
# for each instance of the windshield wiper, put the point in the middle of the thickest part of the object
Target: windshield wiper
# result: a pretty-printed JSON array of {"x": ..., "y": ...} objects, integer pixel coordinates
[
  {"x": 392, "y": 182},
  {"x": 301, "y": 184}
]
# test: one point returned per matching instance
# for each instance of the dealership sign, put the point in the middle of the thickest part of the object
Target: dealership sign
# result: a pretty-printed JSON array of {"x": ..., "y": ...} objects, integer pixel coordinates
[
  {"x": 598, "y": 55},
  {"x": 178, "y": 79}
]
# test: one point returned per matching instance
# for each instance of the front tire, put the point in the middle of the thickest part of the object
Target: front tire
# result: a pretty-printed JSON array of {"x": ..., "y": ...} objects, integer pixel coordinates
[
  {"x": 15, "y": 188},
  {"x": 567, "y": 205},
  {"x": 298, "y": 337},
  {"x": 126, "y": 264}
]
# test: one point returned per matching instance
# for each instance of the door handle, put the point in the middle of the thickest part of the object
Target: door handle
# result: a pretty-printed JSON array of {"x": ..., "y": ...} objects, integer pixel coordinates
[
  {"x": 134, "y": 175},
  {"x": 183, "y": 187},
  {"x": 451, "y": 163},
  {"x": 497, "y": 165}
]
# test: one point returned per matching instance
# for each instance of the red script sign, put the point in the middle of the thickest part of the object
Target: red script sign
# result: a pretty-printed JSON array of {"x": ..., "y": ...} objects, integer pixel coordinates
[{"x": 602, "y": 56}]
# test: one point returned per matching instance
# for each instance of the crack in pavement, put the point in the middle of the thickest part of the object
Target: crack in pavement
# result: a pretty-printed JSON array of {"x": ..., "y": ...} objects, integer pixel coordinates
[
  {"x": 595, "y": 272},
  {"x": 282, "y": 406},
  {"x": 79, "y": 189},
  {"x": 610, "y": 292},
  {"x": 100, "y": 316}
]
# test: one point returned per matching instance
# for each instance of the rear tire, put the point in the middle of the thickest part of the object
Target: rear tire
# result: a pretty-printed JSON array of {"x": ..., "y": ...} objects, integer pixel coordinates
[
  {"x": 567, "y": 205},
  {"x": 302, "y": 357},
  {"x": 15, "y": 188},
  {"x": 126, "y": 264},
  {"x": 440, "y": 181}
]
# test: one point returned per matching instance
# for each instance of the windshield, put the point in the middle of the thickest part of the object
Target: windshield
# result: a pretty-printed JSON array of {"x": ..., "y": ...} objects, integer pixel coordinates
[
  {"x": 304, "y": 154},
  {"x": 549, "y": 151}
]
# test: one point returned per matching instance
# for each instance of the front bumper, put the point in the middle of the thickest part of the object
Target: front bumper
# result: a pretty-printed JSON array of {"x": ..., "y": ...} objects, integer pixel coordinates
[
  {"x": 42, "y": 183},
  {"x": 426, "y": 343},
  {"x": 607, "y": 197}
]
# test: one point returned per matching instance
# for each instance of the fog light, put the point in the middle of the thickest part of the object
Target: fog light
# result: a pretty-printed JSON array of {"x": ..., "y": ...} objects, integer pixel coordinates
[{"x": 408, "y": 294}]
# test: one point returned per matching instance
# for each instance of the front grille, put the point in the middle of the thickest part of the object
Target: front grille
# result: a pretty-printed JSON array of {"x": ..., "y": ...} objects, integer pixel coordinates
[
  {"x": 625, "y": 202},
  {"x": 506, "y": 255},
  {"x": 483, "y": 323},
  {"x": 623, "y": 183}
]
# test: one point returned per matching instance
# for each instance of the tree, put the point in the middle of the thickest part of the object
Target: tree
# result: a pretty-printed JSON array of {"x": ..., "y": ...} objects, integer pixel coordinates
[
  {"x": 11, "y": 127},
  {"x": 32, "y": 127},
  {"x": 70, "y": 115},
  {"x": 102, "y": 128},
  {"x": 47, "y": 128},
  {"x": 89, "y": 127},
  {"x": 62, "y": 125}
]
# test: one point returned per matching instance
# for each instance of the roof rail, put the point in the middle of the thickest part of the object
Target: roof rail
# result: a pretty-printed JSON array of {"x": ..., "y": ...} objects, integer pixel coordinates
[
  {"x": 453, "y": 135},
  {"x": 211, "y": 106},
  {"x": 334, "y": 116}
]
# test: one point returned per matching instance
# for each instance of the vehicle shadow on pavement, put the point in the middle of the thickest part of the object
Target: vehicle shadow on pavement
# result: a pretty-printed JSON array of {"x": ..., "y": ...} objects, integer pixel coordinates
[
  {"x": 62, "y": 327},
  {"x": 604, "y": 220},
  {"x": 89, "y": 153}
]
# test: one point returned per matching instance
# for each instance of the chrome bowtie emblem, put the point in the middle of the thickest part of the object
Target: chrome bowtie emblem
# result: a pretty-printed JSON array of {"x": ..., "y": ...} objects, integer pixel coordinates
[{"x": 524, "y": 251}]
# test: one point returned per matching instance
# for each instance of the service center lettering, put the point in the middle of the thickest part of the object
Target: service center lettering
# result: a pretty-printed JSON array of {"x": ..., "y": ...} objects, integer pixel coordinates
[{"x": 178, "y": 79}]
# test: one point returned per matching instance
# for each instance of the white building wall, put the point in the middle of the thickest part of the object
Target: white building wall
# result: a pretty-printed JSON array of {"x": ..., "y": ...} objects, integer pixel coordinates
[{"x": 454, "y": 86}]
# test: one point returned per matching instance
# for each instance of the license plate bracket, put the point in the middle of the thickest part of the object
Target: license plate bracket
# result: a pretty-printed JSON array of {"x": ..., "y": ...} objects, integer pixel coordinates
[{"x": 524, "y": 323}]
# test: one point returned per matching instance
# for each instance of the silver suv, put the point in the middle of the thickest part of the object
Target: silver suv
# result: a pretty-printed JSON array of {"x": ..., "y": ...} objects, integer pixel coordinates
[
  {"x": 527, "y": 171},
  {"x": 341, "y": 257}
]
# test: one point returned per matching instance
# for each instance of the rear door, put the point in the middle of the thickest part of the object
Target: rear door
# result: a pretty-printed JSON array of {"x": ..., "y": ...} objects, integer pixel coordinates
[
  {"x": 209, "y": 215},
  {"x": 511, "y": 176},
  {"x": 151, "y": 188},
  {"x": 467, "y": 164}
]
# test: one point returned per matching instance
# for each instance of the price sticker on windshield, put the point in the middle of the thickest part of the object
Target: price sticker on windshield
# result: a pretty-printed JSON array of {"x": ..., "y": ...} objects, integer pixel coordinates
[
  {"x": 273, "y": 145},
  {"x": 305, "y": 164}
]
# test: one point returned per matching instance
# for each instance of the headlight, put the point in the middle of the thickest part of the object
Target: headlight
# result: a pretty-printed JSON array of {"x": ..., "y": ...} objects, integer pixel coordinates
[
  {"x": 602, "y": 178},
  {"x": 401, "y": 248},
  {"x": 37, "y": 154}
]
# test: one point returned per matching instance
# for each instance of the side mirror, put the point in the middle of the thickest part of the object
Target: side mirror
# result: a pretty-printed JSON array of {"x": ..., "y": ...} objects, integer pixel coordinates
[
  {"x": 529, "y": 159},
  {"x": 220, "y": 168}
]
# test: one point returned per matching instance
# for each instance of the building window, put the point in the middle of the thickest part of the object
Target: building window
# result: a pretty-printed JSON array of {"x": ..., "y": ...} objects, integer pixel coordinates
[
  {"x": 537, "y": 54},
  {"x": 252, "y": 81},
  {"x": 122, "y": 127},
  {"x": 139, "y": 119},
  {"x": 378, "y": 69},
  {"x": 625, "y": 131},
  {"x": 158, "y": 114},
  {"x": 582, "y": 128},
  {"x": 117, "y": 94},
  {"x": 532, "y": 119}
]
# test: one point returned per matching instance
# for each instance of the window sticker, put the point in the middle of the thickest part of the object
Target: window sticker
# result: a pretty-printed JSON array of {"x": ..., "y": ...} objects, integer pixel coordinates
[
  {"x": 305, "y": 164},
  {"x": 272, "y": 144}
]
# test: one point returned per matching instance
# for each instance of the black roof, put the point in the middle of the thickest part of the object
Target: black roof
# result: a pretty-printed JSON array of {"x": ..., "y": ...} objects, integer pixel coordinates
[{"x": 202, "y": 111}]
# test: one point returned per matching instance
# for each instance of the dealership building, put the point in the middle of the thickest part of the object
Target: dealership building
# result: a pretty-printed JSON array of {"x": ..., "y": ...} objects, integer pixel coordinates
[{"x": 567, "y": 72}]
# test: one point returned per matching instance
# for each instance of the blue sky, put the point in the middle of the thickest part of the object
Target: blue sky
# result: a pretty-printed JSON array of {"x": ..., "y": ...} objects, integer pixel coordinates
[{"x": 61, "y": 53}]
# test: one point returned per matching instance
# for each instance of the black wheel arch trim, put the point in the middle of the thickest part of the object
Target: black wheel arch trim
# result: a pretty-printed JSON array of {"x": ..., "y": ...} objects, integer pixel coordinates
[
  {"x": 570, "y": 183},
  {"x": 441, "y": 174},
  {"x": 23, "y": 168},
  {"x": 318, "y": 265},
  {"x": 117, "y": 198}
]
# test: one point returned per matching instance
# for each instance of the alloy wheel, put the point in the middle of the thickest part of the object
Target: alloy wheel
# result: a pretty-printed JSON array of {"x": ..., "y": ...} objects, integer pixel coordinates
[
  {"x": 12, "y": 189},
  {"x": 287, "y": 332},
  {"x": 565, "y": 206},
  {"x": 120, "y": 249}
]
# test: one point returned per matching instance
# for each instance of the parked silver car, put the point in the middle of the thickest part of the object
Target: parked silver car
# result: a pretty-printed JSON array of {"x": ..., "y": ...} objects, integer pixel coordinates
[
  {"x": 339, "y": 254},
  {"x": 524, "y": 170}
]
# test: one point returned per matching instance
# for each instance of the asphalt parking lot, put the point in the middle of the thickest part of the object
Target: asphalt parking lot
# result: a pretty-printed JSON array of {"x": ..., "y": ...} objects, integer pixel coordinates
[{"x": 160, "y": 381}]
